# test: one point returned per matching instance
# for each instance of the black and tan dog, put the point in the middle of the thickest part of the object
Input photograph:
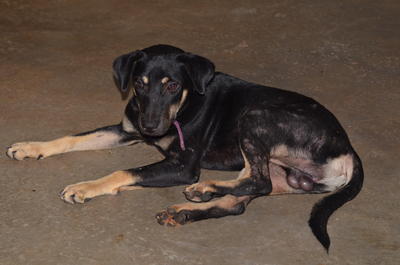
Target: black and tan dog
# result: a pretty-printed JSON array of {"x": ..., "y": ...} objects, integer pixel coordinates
[{"x": 281, "y": 141}]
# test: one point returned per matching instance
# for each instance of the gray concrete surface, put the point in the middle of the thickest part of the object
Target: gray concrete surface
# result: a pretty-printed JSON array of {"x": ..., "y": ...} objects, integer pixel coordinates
[{"x": 55, "y": 79}]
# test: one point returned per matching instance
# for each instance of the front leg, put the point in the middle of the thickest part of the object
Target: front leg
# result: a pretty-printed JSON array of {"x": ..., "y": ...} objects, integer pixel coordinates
[
  {"x": 169, "y": 172},
  {"x": 102, "y": 138},
  {"x": 112, "y": 184}
]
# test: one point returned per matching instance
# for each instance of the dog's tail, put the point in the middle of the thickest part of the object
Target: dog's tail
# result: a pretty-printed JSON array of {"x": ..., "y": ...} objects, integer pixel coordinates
[{"x": 323, "y": 209}]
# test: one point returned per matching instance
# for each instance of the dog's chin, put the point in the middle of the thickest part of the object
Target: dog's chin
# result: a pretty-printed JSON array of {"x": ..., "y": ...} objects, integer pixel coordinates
[{"x": 154, "y": 133}]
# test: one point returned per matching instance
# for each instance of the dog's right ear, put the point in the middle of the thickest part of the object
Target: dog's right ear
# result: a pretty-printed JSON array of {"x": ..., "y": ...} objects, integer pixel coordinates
[{"x": 123, "y": 67}]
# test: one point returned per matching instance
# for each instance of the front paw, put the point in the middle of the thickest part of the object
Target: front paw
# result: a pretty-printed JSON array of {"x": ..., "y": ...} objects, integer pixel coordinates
[
  {"x": 80, "y": 192},
  {"x": 21, "y": 151}
]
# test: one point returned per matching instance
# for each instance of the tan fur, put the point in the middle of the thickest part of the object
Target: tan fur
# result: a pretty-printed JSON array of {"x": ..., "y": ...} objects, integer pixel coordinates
[
  {"x": 165, "y": 142},
  {"x": 183, "y": 98},
  {"x": 277, "y": 176},
  {"x": 279, "y": 151},
  {"x": 208, "y": 185},
  {"x": 282, "y": 151},
  {"x": 173, "y": 109},
  {"x": 111, "y": 184},
  {"x": 338, "y": 171},
  {"x": 335, "y": 173},
  {"x": 164, "y": 80},
  {"x": 145, "y": 79},
  {"x": 127, "y": 125},
  {"x": 93, "y": 141},
  {"x": 45, "y": 149},
  {"x": 244, "y": 173},
  {"x": 226, "y": 202}
]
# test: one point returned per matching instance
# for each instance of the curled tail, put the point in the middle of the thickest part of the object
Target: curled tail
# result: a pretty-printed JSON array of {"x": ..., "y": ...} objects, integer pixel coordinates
[{"x": 323, "y": 209}]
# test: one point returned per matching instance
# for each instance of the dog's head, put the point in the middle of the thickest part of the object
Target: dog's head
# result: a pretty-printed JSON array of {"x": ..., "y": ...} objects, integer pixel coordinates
[{"x": 161, "y": 76}]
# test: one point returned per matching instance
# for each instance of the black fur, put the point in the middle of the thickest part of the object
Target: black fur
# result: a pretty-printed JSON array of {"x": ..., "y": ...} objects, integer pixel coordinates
[
  {"x": 223, "y": 115},
  {"x": 277, "y": 137},
  {"x": 325, "y": 207}
]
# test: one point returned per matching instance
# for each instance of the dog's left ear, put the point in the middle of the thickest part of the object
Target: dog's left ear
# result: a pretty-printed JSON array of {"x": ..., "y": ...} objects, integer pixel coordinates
[
  {"x": 123, "y": 67},
  {"x": 200, "y": 70}
]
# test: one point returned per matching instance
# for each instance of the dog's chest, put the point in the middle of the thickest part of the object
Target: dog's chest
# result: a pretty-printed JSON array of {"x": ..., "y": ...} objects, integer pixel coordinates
[{"x": 165, "y": 142}]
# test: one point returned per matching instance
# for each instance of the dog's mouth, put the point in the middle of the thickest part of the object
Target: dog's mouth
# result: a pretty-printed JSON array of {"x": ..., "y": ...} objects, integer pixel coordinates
[
  {"x": 154, "y": 129},
  {"x": 153, "y": 132},
  {"x": 157, "y": 125}
]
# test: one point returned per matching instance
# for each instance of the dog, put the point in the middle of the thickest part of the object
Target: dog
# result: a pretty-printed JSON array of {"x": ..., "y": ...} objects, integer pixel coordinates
[{"x": 281, "y": 142}]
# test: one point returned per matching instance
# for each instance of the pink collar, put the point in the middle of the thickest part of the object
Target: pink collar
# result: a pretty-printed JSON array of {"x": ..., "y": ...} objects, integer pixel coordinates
[{"x": 181, "y": 140}]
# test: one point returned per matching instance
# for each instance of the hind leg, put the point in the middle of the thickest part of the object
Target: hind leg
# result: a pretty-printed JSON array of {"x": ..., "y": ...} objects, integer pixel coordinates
[
  {"x": 190, "y": 212},
  {"x": 254, "y": 179},
  {"x": 283, "y": 180},
  {"x": 232, "y": 203}
]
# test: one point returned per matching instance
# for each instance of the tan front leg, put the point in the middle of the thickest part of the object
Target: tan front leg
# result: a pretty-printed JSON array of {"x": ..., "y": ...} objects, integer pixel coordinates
[
  {"x": 92, "y": 141},
  {"x": 39, "y": 150},
  {"x": 111, "y": 184}
]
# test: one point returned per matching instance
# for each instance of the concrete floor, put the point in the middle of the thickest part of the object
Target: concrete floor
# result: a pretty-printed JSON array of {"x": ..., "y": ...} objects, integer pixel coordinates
[{"x": 55, "y": 80}]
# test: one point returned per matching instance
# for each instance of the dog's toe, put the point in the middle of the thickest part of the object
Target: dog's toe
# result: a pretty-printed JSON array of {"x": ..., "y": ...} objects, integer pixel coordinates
[
  {"x": 77, "y": 193},
  {"x": 198, "y": 192},
  {"x": 171, "y": 217},
  {"x": 22, "y": 151}
]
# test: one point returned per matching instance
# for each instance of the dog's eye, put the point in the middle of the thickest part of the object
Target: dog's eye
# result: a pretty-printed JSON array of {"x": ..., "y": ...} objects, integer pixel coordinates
[
  {"x": 138, "y": 84},
  {"x": 172, "y": 86}
]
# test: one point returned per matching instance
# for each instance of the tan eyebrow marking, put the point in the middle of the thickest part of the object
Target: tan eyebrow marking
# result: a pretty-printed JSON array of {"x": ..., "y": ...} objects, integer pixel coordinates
[
  {"x": 165, "y": 80},
  {"x": 145, "y": 79}
]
